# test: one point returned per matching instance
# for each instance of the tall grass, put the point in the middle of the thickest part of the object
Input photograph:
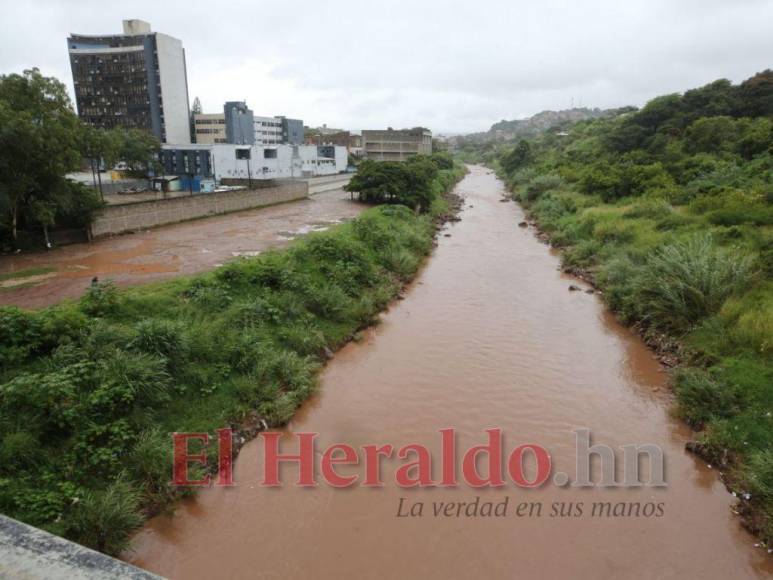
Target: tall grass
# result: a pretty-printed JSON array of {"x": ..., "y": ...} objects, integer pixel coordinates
[{"x": 687, "y": 280}]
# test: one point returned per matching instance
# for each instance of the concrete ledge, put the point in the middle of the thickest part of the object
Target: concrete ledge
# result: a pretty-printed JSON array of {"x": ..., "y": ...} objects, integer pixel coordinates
[
  {"x": 118, "y": 219},
  {"x": 30, "y": 553}
]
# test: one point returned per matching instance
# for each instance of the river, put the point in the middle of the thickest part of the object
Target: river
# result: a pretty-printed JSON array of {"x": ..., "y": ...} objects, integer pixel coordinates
[
  {"x": 167, "y": 252},
  {"x": 487, "y": 336}
]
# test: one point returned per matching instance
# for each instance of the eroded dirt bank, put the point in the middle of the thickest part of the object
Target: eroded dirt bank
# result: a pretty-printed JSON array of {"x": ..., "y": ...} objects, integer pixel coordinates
[
  {"x": 489, "y": 335},
  {"x": 185, "y": 248}
]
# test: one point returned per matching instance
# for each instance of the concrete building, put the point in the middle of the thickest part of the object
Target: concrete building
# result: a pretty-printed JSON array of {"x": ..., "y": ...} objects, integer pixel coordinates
[
  {"x": 391, "y": 145},
  {"x": 209, "y": 128},
  {"x": 341, "y": 138},
  {"x": 338, "y": 153},
  {"x": 187, "y": 160},
  {"x": 137, "y": 80},
  {"x": 239, "y": 123},
  {"x": 234, "y": 161},
  {"x": 292, "y": 131},
  {"x": 268, "y": 131},
  {"x": 355, "y": 145}
]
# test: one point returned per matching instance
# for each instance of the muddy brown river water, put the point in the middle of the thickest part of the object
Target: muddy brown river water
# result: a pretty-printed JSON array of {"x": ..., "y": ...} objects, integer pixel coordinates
[
  {"x": 487, "y": 336},
  {"x": 184, "y": 248}
]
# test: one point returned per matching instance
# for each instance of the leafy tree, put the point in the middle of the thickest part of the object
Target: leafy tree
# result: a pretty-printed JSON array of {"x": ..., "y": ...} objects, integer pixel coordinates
[
  {"x": 39, "y": 145},
  {"x": 409, "y": 183},
  {"x": 755, "y": 95},
  {"x": 519, "y": 156},
  {"x": 139, "y": 150},
  {"x": 711, "y": 135}
]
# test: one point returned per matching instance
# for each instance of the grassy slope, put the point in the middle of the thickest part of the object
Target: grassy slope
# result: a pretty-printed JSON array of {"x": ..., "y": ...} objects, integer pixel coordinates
[{"x": 90, "y": 391}]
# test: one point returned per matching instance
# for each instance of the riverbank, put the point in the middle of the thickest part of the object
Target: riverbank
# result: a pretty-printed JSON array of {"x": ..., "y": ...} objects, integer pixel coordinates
[
  {"x": 91, "y": 389},
  {"x": 636, "y": 253},
  {"x": 40, "y": 279}
]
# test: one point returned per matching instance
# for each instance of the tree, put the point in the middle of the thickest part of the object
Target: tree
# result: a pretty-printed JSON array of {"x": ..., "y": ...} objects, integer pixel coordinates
[
  {"x": 99, "y": 145},
  {"x": 409, "y": 183},
  {"x": 755, "y": 95},
  {"x": 519, "y": 156},
  {"x": 196, "y": 109},
  {"x": 39, "y": 145},
  {"x": 138, "y": 149}
]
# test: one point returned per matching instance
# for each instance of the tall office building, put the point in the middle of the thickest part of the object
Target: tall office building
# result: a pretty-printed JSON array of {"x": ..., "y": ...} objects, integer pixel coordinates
[{"x": 135, "y": 80}]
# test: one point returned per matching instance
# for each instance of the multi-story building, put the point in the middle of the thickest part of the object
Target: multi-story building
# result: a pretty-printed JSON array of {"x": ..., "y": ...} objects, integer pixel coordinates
[
  {"x": 268, "y": 131},
  {"x": 239, "y": 123},
  {"x": 136, "y": 80},
  {"x": 391, "y": 145},
  {"x": 292, "y": 131},
  {"x": 209, "y": 128}
]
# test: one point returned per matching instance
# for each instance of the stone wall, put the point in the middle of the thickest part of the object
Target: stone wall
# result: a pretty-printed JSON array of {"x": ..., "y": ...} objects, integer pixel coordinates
[{"x": 117, "y": 219}]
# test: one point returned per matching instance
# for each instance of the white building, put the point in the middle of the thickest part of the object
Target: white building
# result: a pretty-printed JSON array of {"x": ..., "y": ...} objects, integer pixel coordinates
[
  {"x": 229, "y": 161},
  {"x": 268, "y": 130}
]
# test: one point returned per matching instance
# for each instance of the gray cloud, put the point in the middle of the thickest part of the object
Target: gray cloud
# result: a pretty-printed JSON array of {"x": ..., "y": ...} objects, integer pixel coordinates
[{"x": 453, "y": 66}]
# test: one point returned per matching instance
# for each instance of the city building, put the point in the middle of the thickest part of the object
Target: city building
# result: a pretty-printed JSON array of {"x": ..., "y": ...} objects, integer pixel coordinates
[
  {"x": 338, "y": 153},
  {"x": 247, "y": 162},
  {"x": 355, "y": 145},
  {"x": 209, "y": 128},
  {"x": 135, "y": 80},
  {"x": 268, "y": 131},
  {"x": 292, "y": 131},
  {"x": 239, "y": 123},
  {"x": 340, "y": 138},
  {"x": 392, "y": 145}
]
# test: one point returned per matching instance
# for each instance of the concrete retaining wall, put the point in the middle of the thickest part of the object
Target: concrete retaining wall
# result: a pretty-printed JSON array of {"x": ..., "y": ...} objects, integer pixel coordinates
[
  {"x": 117, "y": 219},
  {"x": 30, "y": 553}
]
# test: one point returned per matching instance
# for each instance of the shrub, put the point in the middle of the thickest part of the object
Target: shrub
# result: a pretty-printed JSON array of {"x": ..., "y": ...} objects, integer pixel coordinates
[
  {"x": 104, "y": 519},
  {"x": 20, "y": 335},
  {"x": 150, "y": 462},
  {"x": 686, "y": 281},
  {"x": 101, "y": 299},
  {"x": 162, "y": 338},
  {"x": 656, "y": 209},
  {"x": 542, "y": 184},
  {"x": 702, "y": 396}
]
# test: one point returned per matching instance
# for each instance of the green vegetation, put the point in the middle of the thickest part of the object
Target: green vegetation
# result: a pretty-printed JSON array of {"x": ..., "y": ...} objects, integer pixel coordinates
[
  {"x": 41, "y": 140},
  {"x": 29, "y": 272},
  {"x": 670, "y": 211},
  {"x": 416, "y": 183},
  {"x": 91, "y": 390}
]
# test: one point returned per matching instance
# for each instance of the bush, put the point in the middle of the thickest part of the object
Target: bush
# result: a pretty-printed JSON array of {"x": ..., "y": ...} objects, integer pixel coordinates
[
  {"x": 542, "y": 184},
  {"x": 685, "y": 281},
  {"x": 104, "y": 520},
  {"x": 702, "y": 397},
  {"x": 655, "y": 209},
  {"x": 101, "y": 299}
]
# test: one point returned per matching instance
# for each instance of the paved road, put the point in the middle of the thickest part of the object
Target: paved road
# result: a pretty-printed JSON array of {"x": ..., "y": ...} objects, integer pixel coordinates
[{"x": 169, "y": 251}]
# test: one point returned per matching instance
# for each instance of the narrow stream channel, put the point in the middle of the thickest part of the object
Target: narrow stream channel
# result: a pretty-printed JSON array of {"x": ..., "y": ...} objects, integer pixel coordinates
[{"x": 488, "y": 336}]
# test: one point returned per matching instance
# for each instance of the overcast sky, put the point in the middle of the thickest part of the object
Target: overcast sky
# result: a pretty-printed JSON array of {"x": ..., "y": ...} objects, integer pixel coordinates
[{"x": 448, "y": 65}]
